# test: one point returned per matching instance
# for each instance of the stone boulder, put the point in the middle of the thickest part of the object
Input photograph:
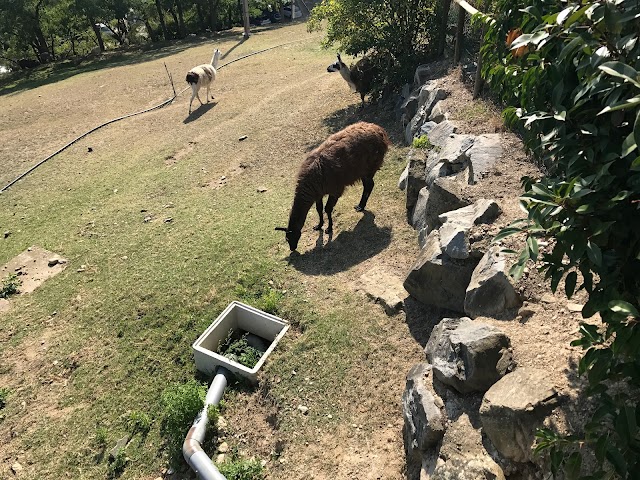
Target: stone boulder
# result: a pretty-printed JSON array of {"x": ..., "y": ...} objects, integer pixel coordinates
[
  {"x": 483, "y": 155},
  {"x": 444, "y": 194},
  {"x": 424, "y": 421},
  {"x": 416, "y": 165},
  {"x": 438, "y": 113},
  {"x": 383, "y": 288},
  {"x": 437, "y": 279},
  {"x": 461, "y": 456},
  {"x": 454, "y": 232},
  {"x": 490, "y": 292},
  {"x": 438, "y": 133},
  {"x": 467, "y": 355},
  {"x": 514, "y": 408},
  {"x": 429, "y": 95},
  {"x": 402, "y": 181}
]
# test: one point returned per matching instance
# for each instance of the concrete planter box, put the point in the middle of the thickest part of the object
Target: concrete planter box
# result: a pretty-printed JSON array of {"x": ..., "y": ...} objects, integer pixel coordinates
[{"x": 237, "y": 316}]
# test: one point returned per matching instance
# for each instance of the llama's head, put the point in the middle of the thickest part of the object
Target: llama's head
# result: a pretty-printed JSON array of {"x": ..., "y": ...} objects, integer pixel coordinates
[
  {"x": 293, "y": 237},
  {"x": 337, "y": 66}
]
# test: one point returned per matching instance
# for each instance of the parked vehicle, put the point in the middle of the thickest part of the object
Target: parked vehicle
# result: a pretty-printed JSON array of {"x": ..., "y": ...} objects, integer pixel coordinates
[{"x": 296, "y": 12}]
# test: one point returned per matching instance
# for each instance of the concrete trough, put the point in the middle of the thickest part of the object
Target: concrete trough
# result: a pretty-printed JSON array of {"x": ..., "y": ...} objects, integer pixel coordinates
[{"x": 237, "y": 317}]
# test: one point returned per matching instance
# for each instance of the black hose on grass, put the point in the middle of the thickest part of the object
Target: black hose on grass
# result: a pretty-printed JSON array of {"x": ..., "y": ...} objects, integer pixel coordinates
[{"x": 166, "y": 102}]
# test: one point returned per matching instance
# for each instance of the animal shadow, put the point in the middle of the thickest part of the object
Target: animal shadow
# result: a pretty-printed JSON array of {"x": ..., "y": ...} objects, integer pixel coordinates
[
  {"x": 349, "y": 248},
  {"x": 198, "y": 112}
]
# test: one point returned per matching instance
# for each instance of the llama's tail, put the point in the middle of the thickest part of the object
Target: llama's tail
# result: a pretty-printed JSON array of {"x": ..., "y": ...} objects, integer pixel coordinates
[{"x": 216, "y": 58}]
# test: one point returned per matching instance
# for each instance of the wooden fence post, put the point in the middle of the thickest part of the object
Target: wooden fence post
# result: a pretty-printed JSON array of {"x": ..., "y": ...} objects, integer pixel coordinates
[
  {"x": 459, "y": 35},
  {"x": 442, "y": 35},
  {"x": 478, "y": 82}
]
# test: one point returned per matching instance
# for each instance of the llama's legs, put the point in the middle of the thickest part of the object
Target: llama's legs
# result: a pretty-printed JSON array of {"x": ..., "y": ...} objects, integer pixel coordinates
[
  {"x": 319, "y": 209},
  {"x": 194, "y": 92},
  {"x": 367, "y": 184},
  {"x": 331, "y": 202}
]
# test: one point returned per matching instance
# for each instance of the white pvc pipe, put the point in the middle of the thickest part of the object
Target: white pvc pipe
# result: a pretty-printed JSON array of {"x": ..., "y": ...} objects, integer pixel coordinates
[{"x": 192, "y": 451}]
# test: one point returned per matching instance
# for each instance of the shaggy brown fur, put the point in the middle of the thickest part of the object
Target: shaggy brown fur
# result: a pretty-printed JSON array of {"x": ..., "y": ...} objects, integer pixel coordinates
[{"x": 355, "y": 153}]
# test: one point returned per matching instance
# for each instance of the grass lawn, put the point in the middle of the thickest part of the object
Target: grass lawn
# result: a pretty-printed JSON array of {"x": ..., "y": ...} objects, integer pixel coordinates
[{"x": 173, "y": 217}]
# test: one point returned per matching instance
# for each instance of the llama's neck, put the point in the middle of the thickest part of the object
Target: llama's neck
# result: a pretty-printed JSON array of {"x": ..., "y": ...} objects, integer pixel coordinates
[
  {"x": 301, "y": 206},
  {"x": 346, "y": 74},
  {"x": 215, "y": 58}
]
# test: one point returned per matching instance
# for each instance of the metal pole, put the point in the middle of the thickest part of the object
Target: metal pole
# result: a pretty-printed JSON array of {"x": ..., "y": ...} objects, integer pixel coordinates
[{"x": 245, "y": 15}]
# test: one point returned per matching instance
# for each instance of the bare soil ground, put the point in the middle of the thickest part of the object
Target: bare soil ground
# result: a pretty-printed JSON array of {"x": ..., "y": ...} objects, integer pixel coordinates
[{"x": 167, "y": 211}]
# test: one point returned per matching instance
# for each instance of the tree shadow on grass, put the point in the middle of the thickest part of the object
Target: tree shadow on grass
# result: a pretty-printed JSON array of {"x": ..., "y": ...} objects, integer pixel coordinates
[{"x": 349, "y": 248}]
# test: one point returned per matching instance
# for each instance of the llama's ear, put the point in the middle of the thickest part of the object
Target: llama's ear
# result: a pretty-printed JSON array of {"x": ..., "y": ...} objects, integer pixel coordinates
[
  {"x": 282, "y": 229},
  {"x": 339, "y": 59}
]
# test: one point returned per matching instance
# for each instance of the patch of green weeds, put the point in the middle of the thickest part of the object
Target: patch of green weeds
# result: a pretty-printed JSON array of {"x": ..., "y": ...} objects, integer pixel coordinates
[
  {"x": 239, "y": 350},
  {"x": 118, "y": 464},
  {"x": 252, "y": 289},
  {"x": 101, "y": 437},
  {"x": 213, "y": 414},
  {"x": 238, "y": 469},
  {"x": 10, "y": 285},
  {"x": 138, "y": 422},
  {"x": 422, "y": 142},
  {"x": 4, "y": 394},
  {"x": 181, "y": 404}
]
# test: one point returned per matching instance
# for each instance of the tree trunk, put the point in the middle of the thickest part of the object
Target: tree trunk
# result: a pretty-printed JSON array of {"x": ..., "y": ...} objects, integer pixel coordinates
[
  {"x": 41, "y": 44},
  {"x": 152, "y": 34},
  {"x": 96, "y": 30},
  {"x": 181, "y": 28},
  {"x": 201, "y": 21},
  {"x": 165, "y": 32},
  {"x": 175, "y": 20}
]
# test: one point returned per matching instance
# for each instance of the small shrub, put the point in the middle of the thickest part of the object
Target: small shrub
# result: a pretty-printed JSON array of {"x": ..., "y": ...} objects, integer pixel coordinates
[
  {"x": 4, "y": 394},
  {"x": 118, "y": 464},
  {"x": 181, "y": 404},
  {"x": 101, "y": 437},
  {"x": 242, "y": 470},
  {"x": 138, "y": 422},
  {"x": 10, "y": 285},
  {"x": 422, "y": 142}
]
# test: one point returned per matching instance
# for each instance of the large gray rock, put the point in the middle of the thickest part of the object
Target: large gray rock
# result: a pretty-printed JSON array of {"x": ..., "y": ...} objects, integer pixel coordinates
[
  {"x": 456, "y": 148},
  {"x": 416, "y": 166},
  {"x": 454, "y": 232},
  {"x": 409, "y": 106},
  {"x": 424, "y": 421},
  {"x": 383, "y": 288},
  {"x": 438, "y": 133},
  {"x": 419, "y": 220},
  {"x": 472, "y": 468},
  {"x": 514, "y": 408},
  {"x": 467, "y": 355},
  {"x": 438, "y": 113},
  {"x": 429, "y": 95},
  {"x": 483, "y": 156},
  {"x": 446, "y": 193},
  {"x": 482, "y": 211},
  {"x": 402, "y": 181},
  {"x": 437, "y": 279},
  {"x": 490, "y": 292},
  {"x": 461, "y": 456}
]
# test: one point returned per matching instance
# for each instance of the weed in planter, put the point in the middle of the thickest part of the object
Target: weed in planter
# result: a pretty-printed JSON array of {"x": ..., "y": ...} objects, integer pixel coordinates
[
  {"x": 10, "y": 285},
  {"x": 239, "y": 350}
]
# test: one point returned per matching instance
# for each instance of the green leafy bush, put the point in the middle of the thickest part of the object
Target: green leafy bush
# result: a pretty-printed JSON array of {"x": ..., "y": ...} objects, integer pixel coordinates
[
  {"x": 396, "y": 35},
  {"x": 181, "y": 405},
  {"x": 10, "y": 285},
  {"x": 238, "y": 349},
  {"x": 138, "y": 422},
  {"x": 422, "y": 142},
  {"x": 574, "y": 90}
]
